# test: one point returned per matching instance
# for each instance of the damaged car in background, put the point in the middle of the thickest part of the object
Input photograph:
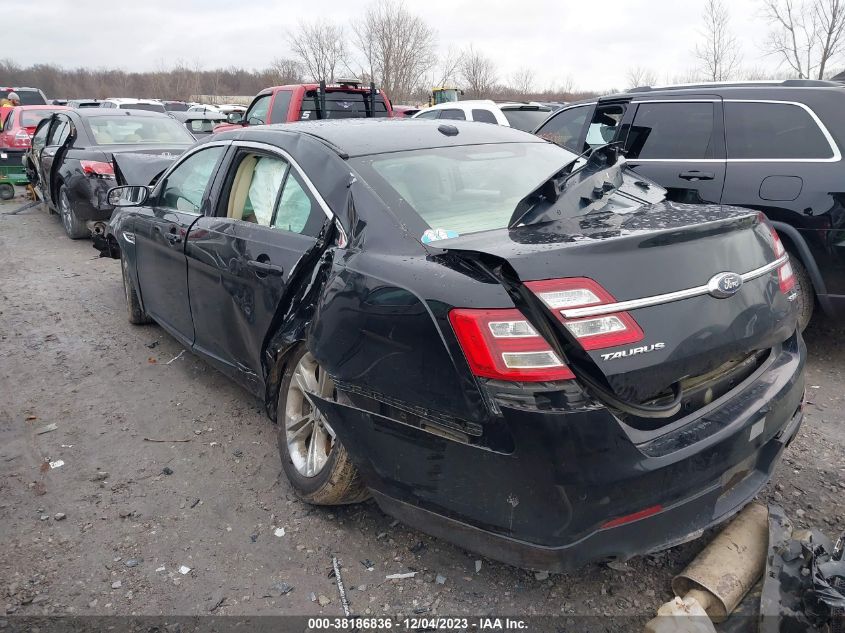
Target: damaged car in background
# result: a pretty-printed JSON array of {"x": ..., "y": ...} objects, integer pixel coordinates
[
  {"x": 71, "y": 160},
  {"x": 545, "y": 364}
]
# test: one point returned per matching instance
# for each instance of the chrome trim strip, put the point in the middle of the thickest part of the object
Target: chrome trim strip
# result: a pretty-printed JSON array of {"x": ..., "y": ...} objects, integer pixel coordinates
[{"x": 669, "y": 297}]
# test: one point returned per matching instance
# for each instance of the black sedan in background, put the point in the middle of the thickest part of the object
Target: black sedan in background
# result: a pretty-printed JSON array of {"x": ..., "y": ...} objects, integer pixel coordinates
[
  {"x": 71, "y": 161},
  {"x": 542, "y": 363},
  {"x": 199, "y": 124}
]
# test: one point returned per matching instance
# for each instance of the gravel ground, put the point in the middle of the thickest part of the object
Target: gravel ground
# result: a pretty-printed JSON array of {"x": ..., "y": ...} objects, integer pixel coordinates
[{"x": 110, "y": 532}]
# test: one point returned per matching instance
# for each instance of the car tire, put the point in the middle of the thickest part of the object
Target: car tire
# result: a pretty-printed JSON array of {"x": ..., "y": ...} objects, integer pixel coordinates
[
  {"x": 313, "y": 458},
  {"x": 134, "y": 311},
  {"x": 7, "y": 191},
  {"x": 74, "y": 227},
  {"x": 806, "y": 294}
]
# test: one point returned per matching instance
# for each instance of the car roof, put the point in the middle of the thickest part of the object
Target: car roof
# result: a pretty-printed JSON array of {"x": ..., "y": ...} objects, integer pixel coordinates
[
  {"x": 359, "y": 137},
  {"x": 131, "y": 100},
  {"x": 196, "y": 115},
  {"x": 752, "y": 89},
  {"x": 469, "y": 103},
  {"x": 41, "y": 107},
  {"x": 98, "y": 112}
]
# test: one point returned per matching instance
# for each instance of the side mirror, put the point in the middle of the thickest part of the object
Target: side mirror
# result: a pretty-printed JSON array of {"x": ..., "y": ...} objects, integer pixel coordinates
[
  {"x": 235, "y": 117},
  {"x": 128, "y": 195}
]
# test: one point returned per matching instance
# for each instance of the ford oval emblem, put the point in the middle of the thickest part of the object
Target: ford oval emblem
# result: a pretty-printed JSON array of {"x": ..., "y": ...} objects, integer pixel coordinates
[{"x": 724, "y": 285}]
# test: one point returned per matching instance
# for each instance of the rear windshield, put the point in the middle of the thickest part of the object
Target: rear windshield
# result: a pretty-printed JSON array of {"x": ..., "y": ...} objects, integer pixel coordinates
[
  {"x": 202, "y": 126},
  {"x": 526, "y": 120},
  {"x": 461, "y": 189},
  {"x": 149, "y": 107},
  {"x": 28, "y": 97},
  {"x": 31, "y": 118},
  {"x": 129, "y": 130},
  {"x": 87, "y": 104},
  {"x": 176, "y": 107},
  {"x": 341, "y": 104}
]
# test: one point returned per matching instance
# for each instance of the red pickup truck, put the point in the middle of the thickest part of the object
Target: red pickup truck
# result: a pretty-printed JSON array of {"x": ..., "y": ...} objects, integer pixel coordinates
[{"x": 305, "y": 102}]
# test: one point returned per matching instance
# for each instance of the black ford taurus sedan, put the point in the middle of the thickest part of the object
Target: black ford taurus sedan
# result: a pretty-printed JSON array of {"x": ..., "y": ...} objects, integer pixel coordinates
[
  {"x": 71, "y": 160},
  {"x": 543, "y": 363}
]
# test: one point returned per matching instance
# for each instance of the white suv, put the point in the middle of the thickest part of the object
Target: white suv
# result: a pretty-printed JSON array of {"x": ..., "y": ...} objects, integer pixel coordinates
[
  {"x": 151, "y": 105},
  {"x": 522, "y": 116}
]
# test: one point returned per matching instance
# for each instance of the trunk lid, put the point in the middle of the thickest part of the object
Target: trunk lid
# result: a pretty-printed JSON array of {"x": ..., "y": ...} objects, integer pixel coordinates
[
  {"x": 658, "y": 249},
  {"x": 141, "y": 166}
]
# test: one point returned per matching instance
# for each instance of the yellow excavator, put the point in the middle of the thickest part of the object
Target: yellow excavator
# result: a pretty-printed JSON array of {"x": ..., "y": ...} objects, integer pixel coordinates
[{"x": 443, "y": 95}]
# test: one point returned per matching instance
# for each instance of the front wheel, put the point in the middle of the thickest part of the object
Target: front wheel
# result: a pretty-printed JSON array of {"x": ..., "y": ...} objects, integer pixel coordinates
[
  {"x": 74, "y": 227},
  {"x": 315, "y": 462}
]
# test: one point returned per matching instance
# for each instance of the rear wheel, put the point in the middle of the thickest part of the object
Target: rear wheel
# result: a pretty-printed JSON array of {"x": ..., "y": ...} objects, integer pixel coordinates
[
  {"x": 806, "y": 295},
  {"x": 134, "y": 311},
  {"x": 74, "y": 227},
  {"x": 7, "y": 191},
  {"x": 314, "y": 460}
]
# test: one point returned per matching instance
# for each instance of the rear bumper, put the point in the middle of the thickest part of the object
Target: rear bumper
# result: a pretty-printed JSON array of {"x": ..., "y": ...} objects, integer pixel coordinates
[{"x": 546, "y": 503}]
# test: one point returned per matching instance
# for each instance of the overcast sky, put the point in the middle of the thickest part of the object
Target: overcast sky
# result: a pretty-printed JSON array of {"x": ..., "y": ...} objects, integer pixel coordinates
[{"x": 594, "y": 43}]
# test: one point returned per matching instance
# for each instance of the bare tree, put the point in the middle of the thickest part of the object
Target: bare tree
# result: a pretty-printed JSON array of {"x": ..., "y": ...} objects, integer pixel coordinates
[
  {"x": 397, "y": 46},
  {"x": 289, "y": 71},
  {"x": 321, "y": 48},
  {"x": 718, "y": 53},
  {"x": 637, "y": 76},
  {"x": 806, "y": 35},
  {"x": 477, "y": 73},
  {"x": 446, "y": 71}
]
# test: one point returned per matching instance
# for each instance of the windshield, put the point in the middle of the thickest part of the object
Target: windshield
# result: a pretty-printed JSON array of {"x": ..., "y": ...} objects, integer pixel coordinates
[
  {"x": 129, "y": 130},
  {"x": 526, "y": 120},
  {"x": 459, "y": 190},
  {"x": 31, "y": 118},
  {"x": 149, "y": 107}
]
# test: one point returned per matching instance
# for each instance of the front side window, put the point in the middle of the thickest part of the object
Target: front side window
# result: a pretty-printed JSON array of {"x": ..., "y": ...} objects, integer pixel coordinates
[
  {"x": 185, "y": 186},
  {"x": 257, "y": 113},
  {"x": 39, "y": 139},
  {"x": 130, "y": 130},
  {"x": 59, "y": 132},
  {"x": 281, "y": 105},
  {"x": 565, "y": 128},
  {"x": 461, "y": 189},
  {"x": 484, "y": 116},
  {"x": 6, "y": 124},
  {"x": 672, "y": 131},
  {"x": 453, "y": 114},
  {"x": 604, "y": 125},
  {"x": 429, "y": 114},
  {"x": 773, "y": 130}
]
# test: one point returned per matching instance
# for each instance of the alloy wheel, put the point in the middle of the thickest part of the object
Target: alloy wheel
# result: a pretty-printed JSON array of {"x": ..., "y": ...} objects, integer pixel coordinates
[
  {"x": 64, "y": 208},
  {"x": 309, "y": 437}
]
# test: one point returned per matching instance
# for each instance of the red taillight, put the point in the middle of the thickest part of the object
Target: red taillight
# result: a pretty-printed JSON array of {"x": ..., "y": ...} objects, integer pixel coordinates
[
  {"x": 630, "y": 518},
  {"x": 786, "y": 276},
  {"x": 599, "y": 332},
  {"x": 21, "y": 139},
  {"x": 502, "y": 344},
  {"x": 97, "y": 169}
]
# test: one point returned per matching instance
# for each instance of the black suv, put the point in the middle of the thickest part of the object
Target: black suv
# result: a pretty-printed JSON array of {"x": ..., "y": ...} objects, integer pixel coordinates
[{"x": 772, "y": 146}]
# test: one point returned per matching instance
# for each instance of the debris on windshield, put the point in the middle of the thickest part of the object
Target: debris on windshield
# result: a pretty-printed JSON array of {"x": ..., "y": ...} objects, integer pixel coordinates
[{"x": 432, "y": 235}]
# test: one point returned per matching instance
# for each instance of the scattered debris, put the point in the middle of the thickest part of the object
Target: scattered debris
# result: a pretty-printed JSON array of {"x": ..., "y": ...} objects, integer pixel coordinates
[
  {"x": 541, "y": 575},
  {"x": 323, "y": 600},
  {"x": 195, "y": 503},
  {"x": 116, "y": 584},
  {"x": 618, "y": 565},
  {"x": 101, "y": 475},
  {"x": 409, "y": 574},
  {"x": 217, "y": 599},
  {"x": 67, "y": 445},
  {"x": 153, "y": 344},
  {"x": 44, "y": 517},
  {"x": 313, "y": 597},
  {"x": 30, "y": 418},
  {"x": 279, "y": 531},
  {"x": 177, "y": 357},
  {"x": 59, "y": 516},
  {"x": 151, "y": 360},
  {"x": 167, "y": 470},
  {"x": 440, "y": 579},
  {"x": 416, "y": 549},
  {"x": 368, "y": 564},
  {"x": 132, "y": 562},
  {"x": 184, "y": 569},
  {"x": 161, "y": 569},
  {"x": 46, "y": 429},
  {"x": 340, "y": 589},
  {"x": 477, "y": 566},
  {"x": 153, "y": 439},
  {"x": 57, "y": 464},
  {"x": 278, "y": 589}
]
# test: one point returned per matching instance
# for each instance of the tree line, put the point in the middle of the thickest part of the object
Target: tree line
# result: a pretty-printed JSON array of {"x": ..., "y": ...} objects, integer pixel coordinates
[{"x": 401, "y": 53}]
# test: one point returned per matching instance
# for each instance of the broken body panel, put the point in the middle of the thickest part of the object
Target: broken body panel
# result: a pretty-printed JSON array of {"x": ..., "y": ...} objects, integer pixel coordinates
[{"x": 540, "y": 473}]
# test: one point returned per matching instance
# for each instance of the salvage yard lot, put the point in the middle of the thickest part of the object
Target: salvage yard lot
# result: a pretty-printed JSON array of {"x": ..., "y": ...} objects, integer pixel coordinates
[{"x": 69, "y": 358}]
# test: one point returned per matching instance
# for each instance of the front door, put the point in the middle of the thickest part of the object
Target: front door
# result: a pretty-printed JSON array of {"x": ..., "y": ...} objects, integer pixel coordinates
[
  {"x": 240, "y": 260},
  {"x": 57, "y": 137},
  {"x": 680, "y": 145},
  {"x": 160, "y": 233}
]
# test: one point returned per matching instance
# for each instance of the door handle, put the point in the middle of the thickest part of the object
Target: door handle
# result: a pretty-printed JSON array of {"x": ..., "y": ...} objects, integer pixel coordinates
[
  {"x": 172, "y": 236},
  {"x": 265, "y": 268},
  {"x": 696, "y": 175}
]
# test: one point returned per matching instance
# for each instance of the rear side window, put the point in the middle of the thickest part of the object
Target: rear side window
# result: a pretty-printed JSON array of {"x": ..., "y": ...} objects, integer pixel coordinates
[
  {"x": 484, "y": 116},
  {"x": 431, "y": 114},
  {"x": 59, "y": 131},
  {"x": 525, "y": 119},
  {"x": 454, "y": 114},
  {"x": 672, "y": 131},
  {"x": 281, "y": 104},
  {"x": 565, "y": 128},
  {"x": 342, "y": 104},
  {"x": 773, "y": 130}
]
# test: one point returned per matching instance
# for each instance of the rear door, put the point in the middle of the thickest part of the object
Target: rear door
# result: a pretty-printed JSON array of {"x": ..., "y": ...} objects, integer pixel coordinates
[
  {"x": 680, "y": 144},
  {"x": 160, "y": 234},
  {"x": 240, "y": 260}
]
